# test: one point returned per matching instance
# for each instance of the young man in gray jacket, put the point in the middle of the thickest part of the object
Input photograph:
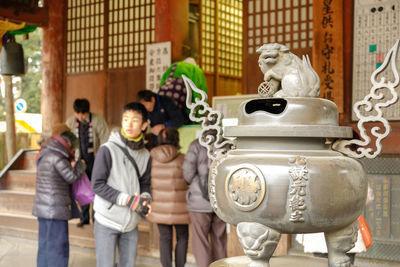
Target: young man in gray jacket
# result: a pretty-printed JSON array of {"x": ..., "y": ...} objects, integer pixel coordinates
[{"x": 121, "y": 181}]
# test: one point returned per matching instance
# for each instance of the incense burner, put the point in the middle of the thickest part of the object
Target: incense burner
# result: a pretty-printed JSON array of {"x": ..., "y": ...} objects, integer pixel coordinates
[{"x": 285, "y": 166}]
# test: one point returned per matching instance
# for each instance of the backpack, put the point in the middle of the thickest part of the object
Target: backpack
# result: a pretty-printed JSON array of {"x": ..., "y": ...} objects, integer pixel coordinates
[{"x": 174, "y": 88}]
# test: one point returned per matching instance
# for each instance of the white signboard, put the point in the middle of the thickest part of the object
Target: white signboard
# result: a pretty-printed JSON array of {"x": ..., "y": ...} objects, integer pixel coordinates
[
  {"x": 16, "y": 86},
  {"x": 158, "y": 59}
]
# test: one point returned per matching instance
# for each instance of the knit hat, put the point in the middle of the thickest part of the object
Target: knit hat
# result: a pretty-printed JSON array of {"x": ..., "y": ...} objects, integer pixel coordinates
[{"x": 59, "y": 128}]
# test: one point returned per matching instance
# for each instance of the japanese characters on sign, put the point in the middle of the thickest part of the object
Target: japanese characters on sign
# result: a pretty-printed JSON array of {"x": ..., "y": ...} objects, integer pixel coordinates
[
  {"x": 378, "y": 213},
  {"x": 158, "y": 59},
  {"x": 328, "y": 49}
]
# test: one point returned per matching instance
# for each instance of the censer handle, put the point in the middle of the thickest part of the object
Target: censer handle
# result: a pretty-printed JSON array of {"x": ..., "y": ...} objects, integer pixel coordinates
[
  {"x": 370, "y": 110},
  {"x": 211, "y": 121}
]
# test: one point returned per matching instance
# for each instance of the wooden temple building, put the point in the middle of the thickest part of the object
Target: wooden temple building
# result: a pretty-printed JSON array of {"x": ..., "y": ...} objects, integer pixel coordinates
[{"x": 96, "y": 49}]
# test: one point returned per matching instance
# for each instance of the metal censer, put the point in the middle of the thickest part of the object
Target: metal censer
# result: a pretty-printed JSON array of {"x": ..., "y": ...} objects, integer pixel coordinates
[{"x": 283, "y": 168}]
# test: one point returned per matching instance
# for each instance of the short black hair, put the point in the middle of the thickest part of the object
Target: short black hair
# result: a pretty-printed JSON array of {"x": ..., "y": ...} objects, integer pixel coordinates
[
  {"x": 81, "y": 105},
  {"x": 139, "y": 108},
  {"x": 168, "y": 136},
  {"x": 145, "y": 95}
]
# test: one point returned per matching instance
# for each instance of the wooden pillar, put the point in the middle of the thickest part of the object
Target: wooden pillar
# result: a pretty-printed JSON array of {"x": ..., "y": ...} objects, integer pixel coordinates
[
  {"x": 11, "y": 146},
  {"x": 347, "y": 60},
  {"x": 53, "y": 65},
  {"x": 172, "y": 24},
  {"x": 327, "y": 48}
]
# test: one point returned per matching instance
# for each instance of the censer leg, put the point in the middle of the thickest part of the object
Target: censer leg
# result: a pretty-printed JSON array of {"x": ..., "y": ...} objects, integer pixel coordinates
[
  {"x": 258, "y": 241},
  {"x": 338, "y": 243}
]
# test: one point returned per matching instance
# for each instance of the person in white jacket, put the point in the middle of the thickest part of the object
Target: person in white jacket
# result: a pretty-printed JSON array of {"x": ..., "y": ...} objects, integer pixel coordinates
[{"x": 120, "y": 178}]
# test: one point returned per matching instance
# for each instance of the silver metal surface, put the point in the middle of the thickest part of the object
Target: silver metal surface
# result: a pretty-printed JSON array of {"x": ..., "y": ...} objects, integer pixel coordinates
[{"x": 282, "y": 176}]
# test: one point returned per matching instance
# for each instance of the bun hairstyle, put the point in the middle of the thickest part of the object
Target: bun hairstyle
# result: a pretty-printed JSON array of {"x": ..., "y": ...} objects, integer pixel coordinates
[{"x": 169, "y": 136}]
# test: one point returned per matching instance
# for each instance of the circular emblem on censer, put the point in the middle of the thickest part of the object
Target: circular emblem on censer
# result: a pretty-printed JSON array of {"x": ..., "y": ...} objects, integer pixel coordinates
[{"x": 245, "y": 187}]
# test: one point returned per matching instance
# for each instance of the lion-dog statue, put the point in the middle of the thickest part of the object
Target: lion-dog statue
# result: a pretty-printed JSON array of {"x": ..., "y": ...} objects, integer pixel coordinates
[{"x": 285, "y": 75}]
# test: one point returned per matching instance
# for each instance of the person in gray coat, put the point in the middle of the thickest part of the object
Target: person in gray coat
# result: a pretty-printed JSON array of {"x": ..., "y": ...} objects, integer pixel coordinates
[
  {"x": 204, "y": 221},
  {"x": 54, "y": 206}
]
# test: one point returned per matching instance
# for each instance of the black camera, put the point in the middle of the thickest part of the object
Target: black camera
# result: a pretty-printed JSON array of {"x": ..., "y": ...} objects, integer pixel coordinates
[{"x": 141, "y": 208}]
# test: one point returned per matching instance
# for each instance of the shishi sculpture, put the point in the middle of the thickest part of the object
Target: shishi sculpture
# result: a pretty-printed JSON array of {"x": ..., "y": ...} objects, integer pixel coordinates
[{"x": 285, "y": 75}]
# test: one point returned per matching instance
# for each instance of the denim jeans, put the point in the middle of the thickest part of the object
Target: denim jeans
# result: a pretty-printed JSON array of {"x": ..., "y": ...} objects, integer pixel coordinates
[
  {"x": 107, "y": 240},
  {"x": 53, "y": 247}
]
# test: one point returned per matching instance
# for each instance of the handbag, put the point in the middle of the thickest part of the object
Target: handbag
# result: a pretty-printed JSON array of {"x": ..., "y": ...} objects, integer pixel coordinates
[
  {"x": 365, "y": 232},
  {"x": 82, "y": 190}
]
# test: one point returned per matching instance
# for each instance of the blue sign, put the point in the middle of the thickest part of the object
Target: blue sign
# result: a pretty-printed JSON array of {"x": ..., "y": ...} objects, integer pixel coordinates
[{"x": 20, "y": 105}]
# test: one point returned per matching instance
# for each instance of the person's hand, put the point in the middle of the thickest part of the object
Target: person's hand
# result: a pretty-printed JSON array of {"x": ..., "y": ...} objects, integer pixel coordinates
[
  {"x": 140, "y": 204},
  {"x": 148, "y": 209},
  {"x": 145, "y": 200},
  {"x": 73, "y": 163},
  {"x": 132, "y": 202},
  {"x": 157, "y": 128},
  {"x": 83, "y": 164}
]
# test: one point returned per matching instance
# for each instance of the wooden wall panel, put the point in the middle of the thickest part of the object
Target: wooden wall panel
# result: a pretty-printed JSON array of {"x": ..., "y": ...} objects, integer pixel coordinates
[
  {"x": 210, "y": 80},
  {"x": 122, "y": 87},
  {"x": 253, "y": 74},
  {"x": 90, "y": 86}
]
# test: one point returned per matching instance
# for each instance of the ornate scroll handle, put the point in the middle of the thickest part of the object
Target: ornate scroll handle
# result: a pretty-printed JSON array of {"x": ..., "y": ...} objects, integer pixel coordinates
[
  {"x": 342, "y": 145},
  {"x": 211, "y": 133}
]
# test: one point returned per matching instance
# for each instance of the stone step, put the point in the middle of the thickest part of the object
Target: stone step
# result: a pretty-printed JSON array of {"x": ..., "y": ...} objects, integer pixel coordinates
[
  {"x": 20, "y": 180},
  {"x": 26, "y": 226},
  {"x": 16, "y": 201},
  {"x": 21, "y": 225},
  {"x": 26, "y": 161},
  {"x": 29, "y": 161}
]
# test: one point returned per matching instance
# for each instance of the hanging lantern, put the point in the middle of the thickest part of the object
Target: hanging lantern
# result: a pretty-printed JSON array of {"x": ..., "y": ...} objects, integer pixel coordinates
[{"x": 12, "y": 58}]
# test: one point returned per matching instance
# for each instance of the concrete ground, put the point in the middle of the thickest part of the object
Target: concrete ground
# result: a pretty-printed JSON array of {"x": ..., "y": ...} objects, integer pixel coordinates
[{"x": 16, "y": 252}]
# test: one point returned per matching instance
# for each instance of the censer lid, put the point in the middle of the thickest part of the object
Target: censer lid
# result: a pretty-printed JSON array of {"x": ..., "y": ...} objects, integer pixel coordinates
[{"x": 289, "y": 116}]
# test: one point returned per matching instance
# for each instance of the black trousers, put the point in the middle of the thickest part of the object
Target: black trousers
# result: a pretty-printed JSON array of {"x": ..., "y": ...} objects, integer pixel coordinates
[
  {"x": 85, "y": 210},
  {"x": 182, "y": 237}
]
